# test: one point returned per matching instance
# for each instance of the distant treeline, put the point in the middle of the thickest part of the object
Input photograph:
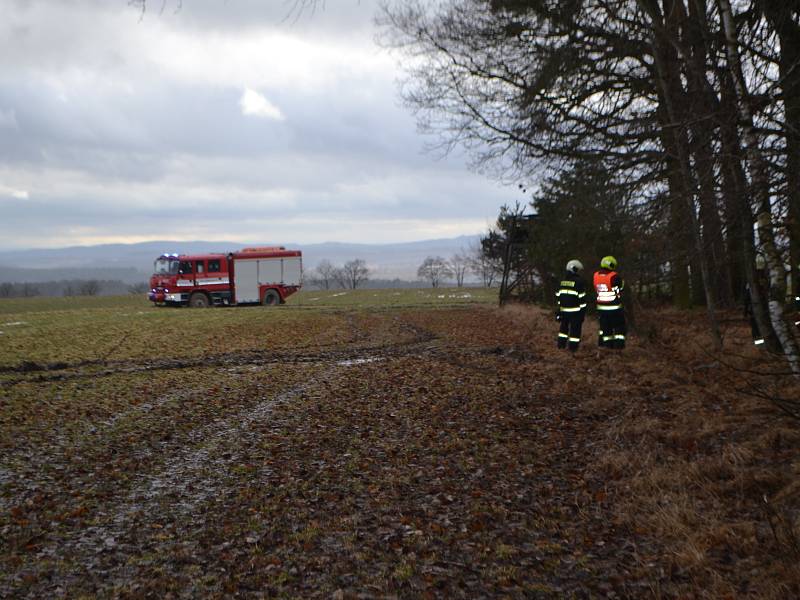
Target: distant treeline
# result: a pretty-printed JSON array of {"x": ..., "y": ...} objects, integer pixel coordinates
[
  {"x": 127, "y": 275},
  {"x": 378, "y": 284},
  {"x": 115, "y": 287},
  {"x": 71, "y": 287}
]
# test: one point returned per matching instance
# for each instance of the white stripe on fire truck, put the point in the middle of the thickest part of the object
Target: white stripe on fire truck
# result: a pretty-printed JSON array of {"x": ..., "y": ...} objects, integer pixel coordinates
[{"x": 208, "y": 281}]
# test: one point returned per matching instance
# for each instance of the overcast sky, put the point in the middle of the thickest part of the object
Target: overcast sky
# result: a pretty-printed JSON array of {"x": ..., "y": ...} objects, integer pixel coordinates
[{"x": 222, "y": 120}]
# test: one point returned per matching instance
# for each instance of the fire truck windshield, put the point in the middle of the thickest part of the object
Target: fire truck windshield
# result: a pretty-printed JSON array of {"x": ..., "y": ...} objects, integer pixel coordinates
[{"x": 166, "y": 266}]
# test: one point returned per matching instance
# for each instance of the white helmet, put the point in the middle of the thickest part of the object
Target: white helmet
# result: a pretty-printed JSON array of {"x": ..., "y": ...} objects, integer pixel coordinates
[{"x": 574, "y": 266}]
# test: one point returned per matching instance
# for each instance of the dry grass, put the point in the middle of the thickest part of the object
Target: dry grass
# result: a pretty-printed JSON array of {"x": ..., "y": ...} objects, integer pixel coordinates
[
  {"x": 704, "y": 476},
  {"x": 391, "y": 451},
  {"x": 710, "y": 472}
]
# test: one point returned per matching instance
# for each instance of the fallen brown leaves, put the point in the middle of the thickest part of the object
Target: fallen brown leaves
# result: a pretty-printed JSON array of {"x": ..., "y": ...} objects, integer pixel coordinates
[{"x": 450, "y": 453}]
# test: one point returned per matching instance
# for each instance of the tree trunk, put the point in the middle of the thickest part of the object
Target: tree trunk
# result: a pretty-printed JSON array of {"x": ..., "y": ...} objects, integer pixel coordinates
[
  {"x": 760, "y": 191},
  {"x": 779, "y": 14},
  {"x": 672, "y": 95},
  {"x": 735, "y": 218},
  {"x": 740, "y": 207},
  {"x": 702, "y": 106},
  {"x": 679, "y": 224}
]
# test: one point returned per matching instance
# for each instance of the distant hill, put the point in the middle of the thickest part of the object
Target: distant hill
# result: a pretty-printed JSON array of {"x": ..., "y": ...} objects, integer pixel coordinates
[
  {"x": 132, "y": 263},
  {"x": 127, "y": 275}
]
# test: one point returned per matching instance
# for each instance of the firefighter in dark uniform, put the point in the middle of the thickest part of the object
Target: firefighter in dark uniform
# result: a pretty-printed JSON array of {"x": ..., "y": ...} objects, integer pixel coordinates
[
  {"x": 571, "y": 300},
  {"x": 610, "y": 313}
]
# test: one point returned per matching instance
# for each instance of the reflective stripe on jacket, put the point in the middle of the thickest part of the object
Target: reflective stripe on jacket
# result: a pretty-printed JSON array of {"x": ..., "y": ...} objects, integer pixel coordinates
[
  {"x": 608, "y": 287},
  {"x": 571, "y": 294}
]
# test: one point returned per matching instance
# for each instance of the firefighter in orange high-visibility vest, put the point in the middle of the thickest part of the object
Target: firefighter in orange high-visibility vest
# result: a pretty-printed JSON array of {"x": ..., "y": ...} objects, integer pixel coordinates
[
  {"x": 610, "y": 313},
  {"x": 571, "y": 300}
]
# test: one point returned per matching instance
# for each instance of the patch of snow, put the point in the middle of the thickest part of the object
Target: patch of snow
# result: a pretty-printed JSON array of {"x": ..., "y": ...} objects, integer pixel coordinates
[
  {"x": 357, "y": 361},
  {"x": 15, "y": 323},
  {"x": 339, "y": 294}
]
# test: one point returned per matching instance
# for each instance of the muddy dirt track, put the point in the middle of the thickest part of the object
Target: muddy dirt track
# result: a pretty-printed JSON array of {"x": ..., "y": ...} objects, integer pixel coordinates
[{"x": 435, "y": 454}]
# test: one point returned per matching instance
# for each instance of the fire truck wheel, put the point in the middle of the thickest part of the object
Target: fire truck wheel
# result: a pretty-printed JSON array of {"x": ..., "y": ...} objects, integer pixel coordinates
[
  {"x": 198, "y": 300},
  {"x": 271, "y": 298}
]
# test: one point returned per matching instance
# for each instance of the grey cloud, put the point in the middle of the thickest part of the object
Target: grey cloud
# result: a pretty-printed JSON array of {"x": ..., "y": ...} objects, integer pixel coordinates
[
  {"x": 8, "y": 119},
  {"x": 186, "y": 120},
  {"x": 323, "y": 16},
  {"x": 111, "y": 142}
]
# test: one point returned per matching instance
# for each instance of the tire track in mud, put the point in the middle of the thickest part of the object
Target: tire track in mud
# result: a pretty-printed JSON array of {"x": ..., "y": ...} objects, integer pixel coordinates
[
  {"x": 175, "y": 492},
  {"x": 37, "y": 474},
  {"x": 192, "y": 474},
  {"x": 422, "y": 341}
]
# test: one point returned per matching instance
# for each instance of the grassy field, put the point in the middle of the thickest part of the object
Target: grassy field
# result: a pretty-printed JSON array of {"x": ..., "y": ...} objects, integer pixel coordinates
[
  {"x": 360, "y": 298},
  {"x": 46, "y": 331},
  {"x": 381, "y": 444}
]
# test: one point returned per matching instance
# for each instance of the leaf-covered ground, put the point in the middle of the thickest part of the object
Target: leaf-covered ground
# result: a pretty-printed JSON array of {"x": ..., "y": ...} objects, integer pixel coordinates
[{"x": 378, "y": 451}]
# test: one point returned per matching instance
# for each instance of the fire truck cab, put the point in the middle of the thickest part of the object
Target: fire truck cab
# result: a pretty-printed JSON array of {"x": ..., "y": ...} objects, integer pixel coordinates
[{"x": 265, "y": 275}]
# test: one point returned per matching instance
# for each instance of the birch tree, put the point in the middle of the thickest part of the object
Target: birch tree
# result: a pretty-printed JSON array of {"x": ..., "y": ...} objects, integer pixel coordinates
[{"x": 759, "y": 187}]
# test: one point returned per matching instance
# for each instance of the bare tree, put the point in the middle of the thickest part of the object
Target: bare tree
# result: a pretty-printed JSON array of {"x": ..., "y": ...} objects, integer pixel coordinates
[
  {"x": 89, "y": 288},
  {"x": 459, "y": 265},
  {"x": 483, "y": 266},
  {"x": 353, "y": 274},
  {"x": 324, "y": 275},
  {"x": 760, "y": 189},
  {"x": 691, "y": 105},
  {"x": 29, "y": 290},
  {"x": 434, "y": 269}
]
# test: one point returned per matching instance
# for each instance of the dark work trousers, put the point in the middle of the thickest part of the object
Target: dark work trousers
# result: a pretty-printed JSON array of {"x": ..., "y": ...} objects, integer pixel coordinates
[
  {"x": 612, "y": 328},
  {"x": 569, "y": 335}
]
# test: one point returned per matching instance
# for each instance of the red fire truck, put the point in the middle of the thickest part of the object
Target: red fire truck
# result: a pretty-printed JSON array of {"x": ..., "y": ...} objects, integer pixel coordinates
[{"x": 250, "y": 276}]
